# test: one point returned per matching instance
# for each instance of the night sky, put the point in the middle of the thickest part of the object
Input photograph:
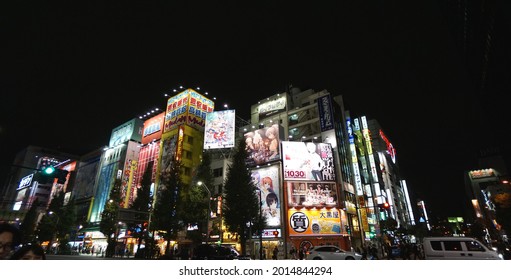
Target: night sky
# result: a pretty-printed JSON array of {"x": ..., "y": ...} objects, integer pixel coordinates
[{"x": 70, "y": 74}]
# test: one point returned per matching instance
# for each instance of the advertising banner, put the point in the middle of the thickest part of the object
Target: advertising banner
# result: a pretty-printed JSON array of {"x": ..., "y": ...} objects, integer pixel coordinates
[
  {"x": 153, "y": 128},
  {"x": 199, "y": 107},
  {"x": 267, "y": 182},
  {"x": 263, "y": 145},
  {"x": 308, "y": 161},
  {"x": 311, "y": 194},
  {"x": 131, "y": 130},
  {"x": 175, "y": 114},
  {"x": 314, "y": 222},
  {"x": 219, "y": 129}
]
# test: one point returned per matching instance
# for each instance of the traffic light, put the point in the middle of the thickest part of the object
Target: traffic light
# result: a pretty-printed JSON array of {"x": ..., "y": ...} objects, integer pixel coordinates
[
  {"x": 50, "y": 172},
  {"x": 384, "y": 206}
]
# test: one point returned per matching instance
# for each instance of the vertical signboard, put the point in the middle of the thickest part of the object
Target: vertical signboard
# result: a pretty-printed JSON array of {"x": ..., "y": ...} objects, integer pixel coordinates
[{"x": 325, "y": 113}]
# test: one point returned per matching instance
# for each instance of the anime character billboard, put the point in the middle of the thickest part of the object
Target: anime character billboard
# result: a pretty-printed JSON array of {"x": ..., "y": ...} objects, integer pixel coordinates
[
  {"x": 263, "y": 145},
  {"x": 308, "y": 161},
  {"x": 219, "y": 130},
  {"x": 268, "y": 184}
]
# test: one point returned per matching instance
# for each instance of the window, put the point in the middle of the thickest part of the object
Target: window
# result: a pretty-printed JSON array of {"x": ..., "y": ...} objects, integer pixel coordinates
[
  {"x": 452, "y": 245},
  {"x": 188, "y": 154},
  {"x": 217, "y": 172},
  {"x": 436, "y": 245},
  {"x": 190, "y": 140},
  {"x": 188, "y": 171},
  {"x": 474, "y": 246}
]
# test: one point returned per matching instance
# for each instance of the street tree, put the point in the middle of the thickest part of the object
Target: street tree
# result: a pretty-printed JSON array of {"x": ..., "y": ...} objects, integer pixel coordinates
[
  {"x": 29, "y": 223},
  {"x": 109, "y": 217},
  {"x": 196, "y": 199},
  {"x": 241, "y": 203},
  {"x": 167, "y": 214}
]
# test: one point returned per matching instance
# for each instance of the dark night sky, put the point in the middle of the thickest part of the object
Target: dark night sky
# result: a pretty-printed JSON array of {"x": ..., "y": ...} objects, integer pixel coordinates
[{"x": 70, "y": 74}]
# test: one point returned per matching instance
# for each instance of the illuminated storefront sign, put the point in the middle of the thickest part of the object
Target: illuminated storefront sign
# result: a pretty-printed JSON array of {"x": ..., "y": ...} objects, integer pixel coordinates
[
  {"x": 272, "y": 107},
  {"x": 483, "y": 173},
  {"x": 314, "y": 222},
  {"x": 25, "y": 182},
  {"x": 367, "y": 137},
  {"x": 153, "y": 128},
  {"x": 390, "y": 149},
  {"x": 219, "y": 129},
  {"x": 188, "y": 107},
  {"x": 354, "y": 160}
]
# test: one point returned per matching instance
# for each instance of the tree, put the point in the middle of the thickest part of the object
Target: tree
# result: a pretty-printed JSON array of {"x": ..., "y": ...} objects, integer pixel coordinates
[
  {"x": 143, "y": 203},
  {"x": 109, "y": 221},
  {"x": 196, "y": 199},
  {"x": 241, "y": 204},
  {"x": 28, "y": 225},
  {"x": 167, "y": 205}
]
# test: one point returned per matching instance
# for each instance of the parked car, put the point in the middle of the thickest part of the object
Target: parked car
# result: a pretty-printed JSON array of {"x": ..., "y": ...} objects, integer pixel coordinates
[
  {"x": 331, "y": 252},
  {"x": 214, "y": 252}
]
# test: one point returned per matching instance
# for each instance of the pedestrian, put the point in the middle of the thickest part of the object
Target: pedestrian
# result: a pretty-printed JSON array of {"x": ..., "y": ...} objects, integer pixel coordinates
[
  {"x": 29, "y": 252},
  {"x": 301, "y": 254},
  {"x": 275, "y": 253},
  {"x": 10, "y": 237}
]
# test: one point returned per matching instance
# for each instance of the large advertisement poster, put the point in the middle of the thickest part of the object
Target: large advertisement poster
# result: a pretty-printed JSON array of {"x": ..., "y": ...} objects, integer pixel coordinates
[
  {"x": 308, "y": 161},
  {"x": 311, "y": 194},
  {"x": 219, "y": 129},
  {"x": 314, "y": 222},
  {"x": 267, "y": 182},
  {"x": 263, "y": 145}
]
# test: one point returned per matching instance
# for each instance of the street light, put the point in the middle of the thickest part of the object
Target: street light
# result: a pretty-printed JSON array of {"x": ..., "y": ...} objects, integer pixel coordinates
[
  {"x": 209, "y": 209},
  {"x": 55, "y": 225}
]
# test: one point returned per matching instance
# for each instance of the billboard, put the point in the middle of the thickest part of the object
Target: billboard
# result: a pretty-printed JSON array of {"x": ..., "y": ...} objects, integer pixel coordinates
[
  {"x": 219, "y": 129},
  {"x": 188, "y": 107},
  {"x": 153, "y": 128},
  {"x": 263, "y": 145},
  {"x": 131, "y": 130},
  {"x": 267, "y": 182},
  {"x": 308, "y": 161},
  {"x": 313, "y": 194},
  {"x": 326, "y": 222}
]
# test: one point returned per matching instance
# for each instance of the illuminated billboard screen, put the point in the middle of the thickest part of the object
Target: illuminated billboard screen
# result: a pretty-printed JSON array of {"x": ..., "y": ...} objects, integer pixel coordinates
[
  {"x": 305, "y": 222},
  {"x": 312, "y": 194},
  {"x": 308, "y": 161},
  {"x": 267, "y": 182},
  {"x": 263, "y": 145},
  {"x": 219, "y": 129}
]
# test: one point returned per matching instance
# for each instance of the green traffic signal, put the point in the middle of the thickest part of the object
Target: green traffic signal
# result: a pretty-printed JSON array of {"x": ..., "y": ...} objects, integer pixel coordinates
[{"x": 48, "y": 170}]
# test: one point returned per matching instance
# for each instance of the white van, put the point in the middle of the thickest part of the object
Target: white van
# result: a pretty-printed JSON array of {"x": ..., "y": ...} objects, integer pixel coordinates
[{"x": 457, "y": 248}]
